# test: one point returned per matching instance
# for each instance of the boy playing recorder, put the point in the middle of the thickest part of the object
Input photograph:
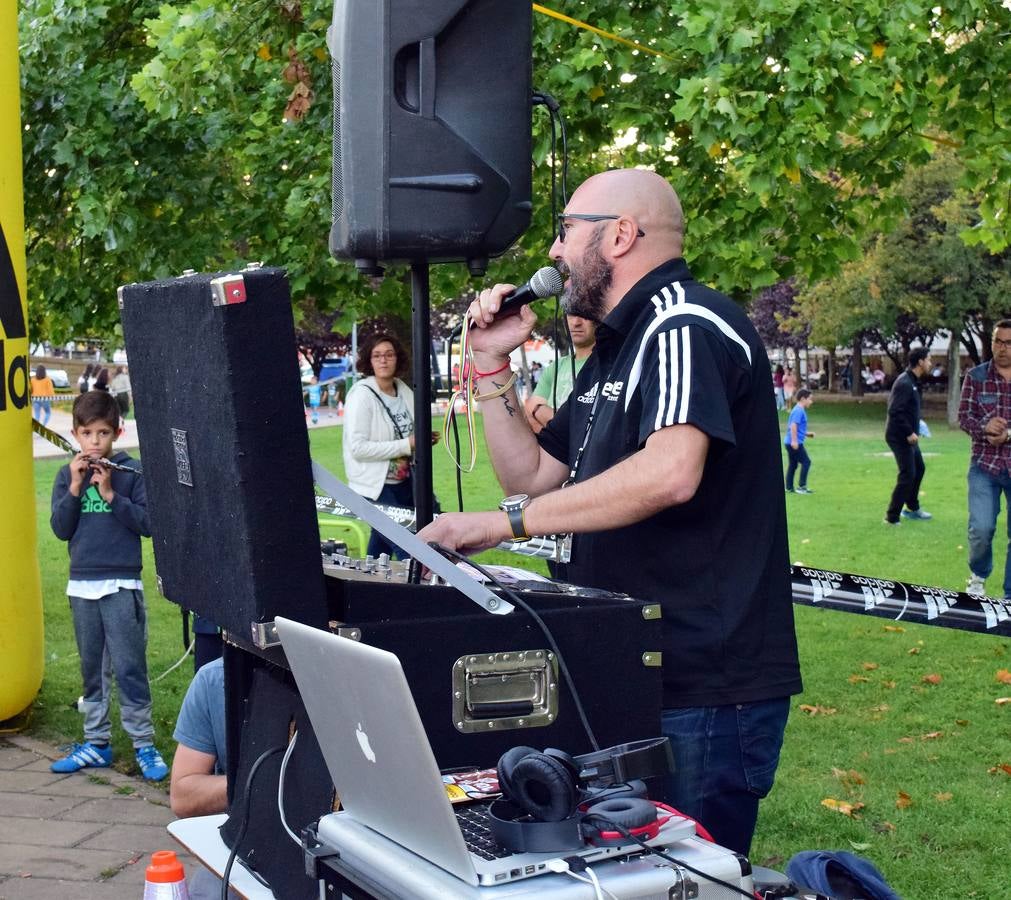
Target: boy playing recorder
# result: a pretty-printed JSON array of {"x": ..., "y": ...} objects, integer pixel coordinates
[{"x": 102, "y": 512}]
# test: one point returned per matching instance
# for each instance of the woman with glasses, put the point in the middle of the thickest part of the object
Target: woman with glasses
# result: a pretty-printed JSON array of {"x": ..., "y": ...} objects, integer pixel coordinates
[{"x": 379, "y": 431}]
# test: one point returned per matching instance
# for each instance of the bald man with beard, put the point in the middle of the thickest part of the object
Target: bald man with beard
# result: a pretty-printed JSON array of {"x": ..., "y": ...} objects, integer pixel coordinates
[{"x": 664, "y": 465}]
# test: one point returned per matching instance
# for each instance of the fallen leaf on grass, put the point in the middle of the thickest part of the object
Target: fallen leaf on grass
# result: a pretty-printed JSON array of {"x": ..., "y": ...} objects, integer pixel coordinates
[
  {"x": 883, "y": 827},
  {"x": 933, "y": 678},
  {"x": 931, "y": 735},
  {"x": 897, "y": 628},
  {"x": 1002, "y": 701},
  {"x": 943, "y": 796},
  {"x": 962, "y": 722},
  {"x": 842, "y": 806},
  {"x": 1003, "y": 676},
  {"x": 849, "y": 777},
  {"x": 1003, "y": 767},
  {"x": 904, "y": 801},
  {"x": 858, "y": 679},
  {"x": 889, "y": 684},
  {"x": 869, "y": 666},
  {"x": 884, "y": 707},
  {"x": 860, "y": 847},
  {"x": 913, "y": 651},
  {"x": 905, "y": 740},
  {"x": 817, "y": 710}
]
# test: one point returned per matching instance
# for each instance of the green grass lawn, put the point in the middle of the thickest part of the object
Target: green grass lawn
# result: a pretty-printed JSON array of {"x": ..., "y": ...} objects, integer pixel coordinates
[{"x": 917, "y": 759}]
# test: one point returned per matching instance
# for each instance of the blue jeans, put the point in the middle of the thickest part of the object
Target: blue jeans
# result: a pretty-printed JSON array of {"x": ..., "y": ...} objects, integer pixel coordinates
[
  {"x": 797, "y": 457},
  {"x": 115, "y": 624},
  {"x": 984, "y": 507},
  {"x": 725, "y": 760},
  {"x": 399, "y": 494},
  {"x": 42, "y": 408}
]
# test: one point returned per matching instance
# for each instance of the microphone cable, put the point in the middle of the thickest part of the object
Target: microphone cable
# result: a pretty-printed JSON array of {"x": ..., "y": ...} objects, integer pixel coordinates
[
  {"x": 526, "y": 607},
  {"x": 244, "y": 824}
]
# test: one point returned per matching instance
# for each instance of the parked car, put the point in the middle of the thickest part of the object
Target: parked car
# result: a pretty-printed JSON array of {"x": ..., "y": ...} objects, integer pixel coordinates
[
  {"x": 59, "y": 377},
  {"x": 333, "y": 367}
]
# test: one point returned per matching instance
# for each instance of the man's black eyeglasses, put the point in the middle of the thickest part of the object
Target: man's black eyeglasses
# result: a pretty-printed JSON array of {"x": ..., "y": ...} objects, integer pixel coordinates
[
  {"x": 584, "y": 217},
  {"x": 997, "y": 342}
]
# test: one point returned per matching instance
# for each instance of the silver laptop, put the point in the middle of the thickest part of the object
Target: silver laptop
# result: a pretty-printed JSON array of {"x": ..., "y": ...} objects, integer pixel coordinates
[{"x": 382, "y": 764}]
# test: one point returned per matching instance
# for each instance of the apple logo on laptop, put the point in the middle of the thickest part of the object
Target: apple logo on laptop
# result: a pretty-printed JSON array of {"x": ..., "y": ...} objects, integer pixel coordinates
[{"x": 363, "y": 742}]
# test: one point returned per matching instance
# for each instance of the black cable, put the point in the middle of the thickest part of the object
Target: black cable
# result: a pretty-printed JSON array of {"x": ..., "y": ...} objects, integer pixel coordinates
[
  {"x": 520, "y": 602},
  {"x": 614, "y": 826},
  {"x": 565, "y": 158},
  {"x": 253, "y": 769}
]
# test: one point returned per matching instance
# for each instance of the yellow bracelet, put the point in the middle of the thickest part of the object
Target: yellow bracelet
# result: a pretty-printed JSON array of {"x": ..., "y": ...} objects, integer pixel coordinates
[{"x": 498, "y": 393}]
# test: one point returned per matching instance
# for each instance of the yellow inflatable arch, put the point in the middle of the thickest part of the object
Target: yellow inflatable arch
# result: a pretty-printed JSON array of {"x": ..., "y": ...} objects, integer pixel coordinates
[{"x": 21, "y": 638}]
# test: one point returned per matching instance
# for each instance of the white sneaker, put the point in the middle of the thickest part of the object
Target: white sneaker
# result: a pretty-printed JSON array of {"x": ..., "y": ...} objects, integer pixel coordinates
[{"x": 976, "y": 586}]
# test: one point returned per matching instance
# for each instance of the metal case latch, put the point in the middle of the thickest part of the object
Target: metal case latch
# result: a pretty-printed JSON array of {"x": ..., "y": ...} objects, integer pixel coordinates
[
  {"x": 502, "y": 691},
  {"x": 264, "y": 634},
  {"x": 228, "y": 289}
]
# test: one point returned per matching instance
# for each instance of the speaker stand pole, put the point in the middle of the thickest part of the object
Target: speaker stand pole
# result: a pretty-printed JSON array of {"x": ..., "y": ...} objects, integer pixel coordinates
[{"x": 421, "y": 337}]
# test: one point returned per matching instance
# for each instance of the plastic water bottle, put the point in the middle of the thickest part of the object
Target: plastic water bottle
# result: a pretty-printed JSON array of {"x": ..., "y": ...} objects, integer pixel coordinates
[{"x": 164, "y": 878}]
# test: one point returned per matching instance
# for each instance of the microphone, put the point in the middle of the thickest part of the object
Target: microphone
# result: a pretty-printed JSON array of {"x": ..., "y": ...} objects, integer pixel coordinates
[{"x": 543, "y": 283}]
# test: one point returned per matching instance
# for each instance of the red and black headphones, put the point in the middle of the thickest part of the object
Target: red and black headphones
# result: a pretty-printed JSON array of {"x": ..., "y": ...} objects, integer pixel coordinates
[{"x": 553, "y": 801}]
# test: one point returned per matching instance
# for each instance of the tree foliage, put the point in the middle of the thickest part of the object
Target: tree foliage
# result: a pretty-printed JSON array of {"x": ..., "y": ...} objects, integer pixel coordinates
[
  {"x": 920, "y": 277},
  {"x": 775, "y": 317},
  {"x": 197, "y": 135}
]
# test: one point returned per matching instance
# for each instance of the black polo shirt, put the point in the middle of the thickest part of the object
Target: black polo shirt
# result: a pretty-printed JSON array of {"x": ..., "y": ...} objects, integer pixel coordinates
[{"x": 674, "y": 352}]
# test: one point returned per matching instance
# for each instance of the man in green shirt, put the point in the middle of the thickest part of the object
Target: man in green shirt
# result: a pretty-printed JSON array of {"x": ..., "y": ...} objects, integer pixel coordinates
[{"x": 541, "y": 404}]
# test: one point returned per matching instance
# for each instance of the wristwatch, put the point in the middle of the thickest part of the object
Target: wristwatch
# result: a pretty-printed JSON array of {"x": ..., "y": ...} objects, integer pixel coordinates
[{"x": 513, "y": 507}]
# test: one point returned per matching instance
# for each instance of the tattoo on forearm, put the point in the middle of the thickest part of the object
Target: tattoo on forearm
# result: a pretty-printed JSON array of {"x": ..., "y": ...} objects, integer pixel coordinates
[{"x": 509, "y": 408}]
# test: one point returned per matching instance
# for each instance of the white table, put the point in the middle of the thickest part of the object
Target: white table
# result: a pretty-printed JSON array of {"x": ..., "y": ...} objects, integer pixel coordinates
[{"x": 200, "y": 836}]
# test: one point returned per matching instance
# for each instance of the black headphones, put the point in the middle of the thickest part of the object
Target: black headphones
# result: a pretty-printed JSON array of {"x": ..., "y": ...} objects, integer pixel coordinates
[{"x": 554, "y": 801}]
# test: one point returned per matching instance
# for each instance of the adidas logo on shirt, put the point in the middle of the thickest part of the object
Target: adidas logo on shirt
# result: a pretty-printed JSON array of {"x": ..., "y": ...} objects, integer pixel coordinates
[{"x": 92, "y": 502}]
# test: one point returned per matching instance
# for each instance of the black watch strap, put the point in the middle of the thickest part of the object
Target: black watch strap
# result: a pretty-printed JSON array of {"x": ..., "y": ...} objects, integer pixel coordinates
[{"x": 519, "y": 527}]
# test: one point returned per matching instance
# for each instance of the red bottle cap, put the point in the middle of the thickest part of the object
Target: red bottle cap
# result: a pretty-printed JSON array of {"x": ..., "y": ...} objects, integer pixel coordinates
[{"x": 165, "y": 868}]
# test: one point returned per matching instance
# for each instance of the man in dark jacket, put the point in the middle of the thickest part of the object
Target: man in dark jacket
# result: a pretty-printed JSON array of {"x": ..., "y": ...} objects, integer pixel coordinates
[{"x": 903, "y": 436}]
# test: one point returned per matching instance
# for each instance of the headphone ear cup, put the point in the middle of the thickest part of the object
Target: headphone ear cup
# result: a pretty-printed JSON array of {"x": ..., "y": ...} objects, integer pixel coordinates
[
  {"x": 565, "y": 759},
  {"x": 543, "y": 787},
  {"x": 506, "y": 765},
  {"x": 628, "y": 812}
]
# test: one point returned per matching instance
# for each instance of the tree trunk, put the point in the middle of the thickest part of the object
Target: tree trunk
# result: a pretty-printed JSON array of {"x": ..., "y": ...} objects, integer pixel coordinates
[
  {"x": 857, "y": 367},
  {"x": 954, "y": 381},
  {"x": 830, "y": 371}
]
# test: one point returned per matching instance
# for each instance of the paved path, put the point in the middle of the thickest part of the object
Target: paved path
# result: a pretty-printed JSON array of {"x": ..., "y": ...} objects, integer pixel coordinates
[{"x": 85, "y": 836}]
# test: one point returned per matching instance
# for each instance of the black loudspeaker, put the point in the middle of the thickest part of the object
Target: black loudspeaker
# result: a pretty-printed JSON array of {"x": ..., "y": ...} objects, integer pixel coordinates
[
  {"x": 224, "y": 447},
  {"x": 431, "y": 140}
]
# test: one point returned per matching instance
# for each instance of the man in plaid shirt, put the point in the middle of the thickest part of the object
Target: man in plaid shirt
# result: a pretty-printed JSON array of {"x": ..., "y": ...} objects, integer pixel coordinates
[{"x": 984, "y": 414}]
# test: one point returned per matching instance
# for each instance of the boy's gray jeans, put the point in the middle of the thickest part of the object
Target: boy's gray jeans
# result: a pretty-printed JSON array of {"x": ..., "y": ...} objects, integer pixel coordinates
[{"x": 117, "y": 622}]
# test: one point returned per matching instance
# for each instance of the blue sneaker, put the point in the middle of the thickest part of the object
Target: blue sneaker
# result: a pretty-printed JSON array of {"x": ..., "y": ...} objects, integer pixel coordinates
[
  {"x": 82, "y": 755},
  {"x": 921, "y": 514},
  {"x": 152, "y": 766}
]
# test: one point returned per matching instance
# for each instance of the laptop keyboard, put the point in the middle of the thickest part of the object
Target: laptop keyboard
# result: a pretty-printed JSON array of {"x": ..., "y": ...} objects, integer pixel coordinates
[{"x": 473, "y": 820}]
